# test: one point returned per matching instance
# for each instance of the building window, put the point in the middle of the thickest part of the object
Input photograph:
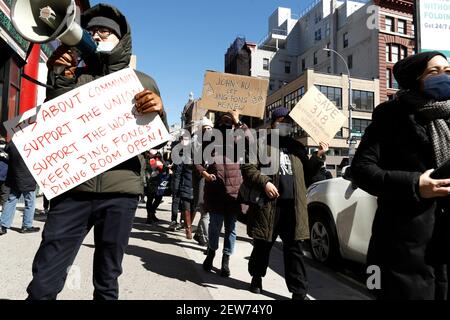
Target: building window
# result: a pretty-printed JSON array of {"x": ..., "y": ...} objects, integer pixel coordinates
[
  {"x": 390, "y": 24},
  {"x": 364, "y": 100},
  {"x": 345, "y": 40},
  {"x": 360, "y": 126},
  {"x": 328, "y": 47},
  {"x": 329, "y": 69},
  {"x": 291, "y": 100},
  {"x": 338, "y": 152},
  {"x": 315, "y": 58},
  {"x": 14, "y": 90},
  {"x": 303, "y": 65},
  {"x": 395, "y": 52},
  {"x": 388, "y": 78},
  {"x": 266, "y": 64},
  {"x": 413, "y": 30},
  {"x": 287, "y": 67},
  {"x": 333, "y": 94},
  {"x": 271, "y": 85},
  {"x": 350, "y": 61},
  {"x": 318, "y": 17},
  {"x": 391, "y": 82},
  {"x": 272, "y": 107},
  {"x": 327, "y": 29},
  {"x": 318, "y": 35},
  {"x": 401, "y": 27},
  {"x": 403, "y": 52}
]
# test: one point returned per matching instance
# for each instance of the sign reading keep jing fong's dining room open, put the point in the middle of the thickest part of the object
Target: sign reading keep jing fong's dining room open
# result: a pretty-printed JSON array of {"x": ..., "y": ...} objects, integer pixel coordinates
[{"x": 85, "y": 132}]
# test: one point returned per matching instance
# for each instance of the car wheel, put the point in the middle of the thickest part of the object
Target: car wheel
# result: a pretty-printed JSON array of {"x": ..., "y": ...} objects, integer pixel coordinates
[{"x": 324, "y": 242}]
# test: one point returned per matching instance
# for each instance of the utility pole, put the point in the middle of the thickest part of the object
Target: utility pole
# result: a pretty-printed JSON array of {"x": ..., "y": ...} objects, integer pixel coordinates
[{"x": 351, "y": 139}]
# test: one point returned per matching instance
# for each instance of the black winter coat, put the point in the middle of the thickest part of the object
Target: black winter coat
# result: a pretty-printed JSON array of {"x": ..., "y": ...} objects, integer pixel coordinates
[
  {"x": 126, "y": 178},
  {"x": 19, "y": 177},
  {"x": 407, "y": 241},
  {"x": 182, "y": 181}
]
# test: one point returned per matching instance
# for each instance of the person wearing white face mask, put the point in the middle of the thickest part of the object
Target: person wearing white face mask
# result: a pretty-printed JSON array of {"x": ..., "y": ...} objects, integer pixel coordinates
[
  {"x": 108, "y": 202},
  {"x": 284, "y": 212}
]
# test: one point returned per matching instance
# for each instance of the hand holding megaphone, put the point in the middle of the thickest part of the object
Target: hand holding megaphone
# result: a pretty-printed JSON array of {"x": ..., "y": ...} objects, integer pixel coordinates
[{"x": 63, "y": 61}]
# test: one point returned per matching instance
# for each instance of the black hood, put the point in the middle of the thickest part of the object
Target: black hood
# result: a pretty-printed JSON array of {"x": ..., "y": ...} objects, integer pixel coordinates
[{"x": 120, "y": 57}]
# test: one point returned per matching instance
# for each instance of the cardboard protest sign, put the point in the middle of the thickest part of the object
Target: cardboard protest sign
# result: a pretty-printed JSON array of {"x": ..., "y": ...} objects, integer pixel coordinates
[
  {"x": 85, "y": 132},
  {"x": 227, "y": 92},
  {"x": 318, "y": 116}
]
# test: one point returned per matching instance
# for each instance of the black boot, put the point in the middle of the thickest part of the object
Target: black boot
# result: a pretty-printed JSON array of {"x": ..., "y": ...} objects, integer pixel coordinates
[
  {"x": 225, "y": 266},
  {"x": 208, "y": 263},
  {"x": 256, "y": 285}
]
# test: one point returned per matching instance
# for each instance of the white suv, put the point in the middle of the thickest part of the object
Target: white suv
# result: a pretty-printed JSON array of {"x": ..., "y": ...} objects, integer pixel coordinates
[{"x": 340, "y": 220}]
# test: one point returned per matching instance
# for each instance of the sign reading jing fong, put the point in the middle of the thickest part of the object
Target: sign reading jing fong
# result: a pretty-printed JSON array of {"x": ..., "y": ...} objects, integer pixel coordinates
[
  {"x": 227, "y": 92},
  {"x": 85, "y": 132}
]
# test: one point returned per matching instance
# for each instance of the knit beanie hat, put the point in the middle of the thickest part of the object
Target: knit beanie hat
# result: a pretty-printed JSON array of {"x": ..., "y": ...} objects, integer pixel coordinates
[{"x": 100, "y": 21}]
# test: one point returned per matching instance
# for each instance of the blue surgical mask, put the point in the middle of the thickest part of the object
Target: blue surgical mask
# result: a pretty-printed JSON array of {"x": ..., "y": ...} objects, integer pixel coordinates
[{"x": 438, "y": 87}]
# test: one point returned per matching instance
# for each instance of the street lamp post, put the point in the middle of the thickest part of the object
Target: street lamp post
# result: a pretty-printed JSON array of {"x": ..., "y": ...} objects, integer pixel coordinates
[{"x": 351, "y": 140}]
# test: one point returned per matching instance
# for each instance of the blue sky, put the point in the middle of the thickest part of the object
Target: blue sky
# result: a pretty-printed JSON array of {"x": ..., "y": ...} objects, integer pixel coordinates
[{"x": 177, "y": 41}]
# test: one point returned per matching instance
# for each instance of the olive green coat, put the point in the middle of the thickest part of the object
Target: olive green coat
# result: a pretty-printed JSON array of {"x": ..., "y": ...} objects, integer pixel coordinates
[{"x": 261, "y": 221}]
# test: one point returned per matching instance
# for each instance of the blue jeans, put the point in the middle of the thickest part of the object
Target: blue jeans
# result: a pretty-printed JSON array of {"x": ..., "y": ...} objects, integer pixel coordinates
[
  {"x": 9, "y": 208},
  {"x": 215, "y": 226}
]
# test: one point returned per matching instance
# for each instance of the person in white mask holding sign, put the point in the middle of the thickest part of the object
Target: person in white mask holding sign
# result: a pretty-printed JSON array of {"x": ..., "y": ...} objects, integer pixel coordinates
[{"x": 108, "y": 202}]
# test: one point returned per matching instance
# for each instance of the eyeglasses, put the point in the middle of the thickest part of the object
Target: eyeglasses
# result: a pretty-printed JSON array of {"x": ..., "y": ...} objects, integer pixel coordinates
[{"x": 103, "y": 33}]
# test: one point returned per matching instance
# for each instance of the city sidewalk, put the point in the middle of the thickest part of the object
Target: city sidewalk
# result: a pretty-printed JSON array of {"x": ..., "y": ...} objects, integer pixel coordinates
[
  {"x": 164, "y": 265},
  {"x": 158, "y": 265}
]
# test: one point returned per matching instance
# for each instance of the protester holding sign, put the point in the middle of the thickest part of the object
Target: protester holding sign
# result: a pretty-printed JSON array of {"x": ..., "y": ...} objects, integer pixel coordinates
[
  {"x": 109, "y": 201},
  {"x": 284, "y": 212}
]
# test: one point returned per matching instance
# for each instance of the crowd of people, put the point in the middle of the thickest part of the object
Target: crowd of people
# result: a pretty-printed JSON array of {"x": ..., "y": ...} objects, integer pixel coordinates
[{"x": 408, "y": 137}]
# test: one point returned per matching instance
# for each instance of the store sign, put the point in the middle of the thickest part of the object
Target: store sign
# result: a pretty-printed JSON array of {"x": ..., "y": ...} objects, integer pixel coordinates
[
  {"x": 8, "y": 28},
  {"x": 434, "y": 25}
]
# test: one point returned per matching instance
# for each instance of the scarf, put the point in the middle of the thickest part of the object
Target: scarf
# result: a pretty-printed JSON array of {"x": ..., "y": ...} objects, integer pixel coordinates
[{"x": 436, "y": 115}]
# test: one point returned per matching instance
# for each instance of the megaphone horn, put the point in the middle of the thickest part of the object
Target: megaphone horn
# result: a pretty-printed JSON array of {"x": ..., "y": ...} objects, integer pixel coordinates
[{"x": 42, "y": 21}]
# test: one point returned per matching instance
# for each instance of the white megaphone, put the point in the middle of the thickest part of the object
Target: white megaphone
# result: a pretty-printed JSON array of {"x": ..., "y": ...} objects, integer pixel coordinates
[{"x": 42, "y": 21}]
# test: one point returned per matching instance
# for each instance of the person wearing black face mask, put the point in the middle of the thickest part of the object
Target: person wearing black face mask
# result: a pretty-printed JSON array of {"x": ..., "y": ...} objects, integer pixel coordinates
[
  {"x": 222, "y": 181},
  {"x": 408, "y": 138},
  {"x": 284, "y": 213}
]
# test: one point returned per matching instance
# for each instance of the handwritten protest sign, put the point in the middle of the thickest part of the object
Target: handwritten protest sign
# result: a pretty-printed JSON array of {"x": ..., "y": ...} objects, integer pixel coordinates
[
  {"x": 85, "y": 132},
  {"x": 226, "y": 92},
  {"x": 318, "y": 116}
]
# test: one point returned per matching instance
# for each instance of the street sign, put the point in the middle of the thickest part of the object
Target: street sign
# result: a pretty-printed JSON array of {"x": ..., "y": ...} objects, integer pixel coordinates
[{"x": 433, "y": 24}]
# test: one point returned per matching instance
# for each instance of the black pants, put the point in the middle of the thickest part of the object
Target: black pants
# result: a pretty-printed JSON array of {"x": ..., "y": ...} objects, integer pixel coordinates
[
  {"x": 46, "y": 203},
  {"x": 153, "y": 202},
  {"x": 69, "y": 221},
  {"x": 180, "y": 205},
  {"x": 294, "y": 266}
]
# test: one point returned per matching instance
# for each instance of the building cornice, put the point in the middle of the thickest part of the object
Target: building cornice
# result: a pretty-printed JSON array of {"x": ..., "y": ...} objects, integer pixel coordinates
[{"x": 402, "y": 5}]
